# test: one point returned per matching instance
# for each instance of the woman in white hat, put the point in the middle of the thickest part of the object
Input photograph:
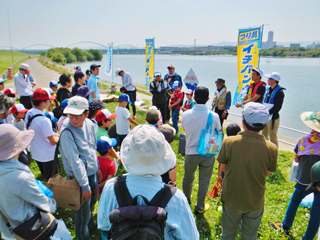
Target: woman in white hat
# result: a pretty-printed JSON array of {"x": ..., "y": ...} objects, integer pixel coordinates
[{"x": 20, "y": 197}]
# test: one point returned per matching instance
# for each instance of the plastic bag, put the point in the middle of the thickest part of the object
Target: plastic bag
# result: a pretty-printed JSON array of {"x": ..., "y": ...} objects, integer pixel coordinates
[
  {"x": 44, "y": 189},
  {"x": 210, "y": 140},
  {"x": 307, "y": 201},
  {"x": 294, "y": 172},
  {"x": 215, "y": 190},
  {"x": 62, "y": 232}
]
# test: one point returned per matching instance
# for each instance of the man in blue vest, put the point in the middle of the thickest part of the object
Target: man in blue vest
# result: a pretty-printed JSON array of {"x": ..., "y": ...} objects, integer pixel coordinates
[{"x": 274, "y": 95}]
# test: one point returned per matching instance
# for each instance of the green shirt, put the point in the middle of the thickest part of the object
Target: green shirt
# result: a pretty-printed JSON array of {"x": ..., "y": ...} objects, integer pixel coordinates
[
  {"x": 101, "y": 132},
  {"x": 248, "y": 157}
]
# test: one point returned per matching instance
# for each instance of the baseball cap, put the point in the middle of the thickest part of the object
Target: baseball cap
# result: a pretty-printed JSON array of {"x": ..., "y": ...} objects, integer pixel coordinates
[
  {"x": 96, "y": 104},
  {"x": 84, "y": 91},
  {"x": 42, "y": 94},
  {"x": 157, "y": 73},
  {"x": 255, "y": 113},
  {"x": 76, "y": 106},
  {"x": 25, "y": 66},
  {"x": 9, "y": 91},
  {"x": 124, "y": 97},
  {"x": 53, "y": 83},
  {"x": 258, "y": 70},
  {"x": 51, "y": 116},
  {"x": 104, "y": 114},
  {"x": 189, "y": 92},
  {"x": 275, "y": 76},
  {"x": 93, "y": 66},
  {"x": 170, "y": 66},
  {"x": 118, "y": 71},
  {"x": 78, "y": 68},
  {"x": 220, "y": 81},
  {"x": 77, "y": 75},
  {"x": 64, "y": 103},
  {"x": 152, "y": 114},
  {"x": 104, "y": 144},
  {"x": 176, "y": 84},
  {"x": 18, "y": 108},
  {"x": 314, "y": 175}
]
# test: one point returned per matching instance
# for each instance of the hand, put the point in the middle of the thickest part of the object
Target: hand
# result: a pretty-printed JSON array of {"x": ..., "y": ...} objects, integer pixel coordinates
[
  {"x": 119, "y": 160},
  {"x": 170, "y": 107},
  {"x": 56, "y": 135},
  {"x": 223, "y": 115},
  {"x": 33, "y": 84},
  {"x": 86, "y": 196},
  {"x": 99, "y": 175},
  {"x": 157, "y": 83},
  {"x": 219, "y": 179},
  {"x": 239, "y": 104}
]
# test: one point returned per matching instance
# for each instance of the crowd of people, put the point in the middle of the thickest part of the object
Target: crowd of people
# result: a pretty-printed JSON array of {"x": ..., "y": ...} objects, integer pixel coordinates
[{"x": 93, "y": 142}]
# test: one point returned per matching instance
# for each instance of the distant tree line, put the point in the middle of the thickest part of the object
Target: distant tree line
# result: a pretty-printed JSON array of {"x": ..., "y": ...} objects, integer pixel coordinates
[{"x": 67, "y": 55}]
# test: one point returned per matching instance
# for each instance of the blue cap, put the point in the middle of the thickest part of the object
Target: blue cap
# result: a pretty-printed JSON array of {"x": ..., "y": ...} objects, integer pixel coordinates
[
  {"x": 53, "y": 83},
  {"x": 51, "y": 116},
  {"x": 104, "y": 144},
  {"x": 176, "y": 84},
  {"x": 124, "y": 97},
  {"x": 64, "y": 103}
]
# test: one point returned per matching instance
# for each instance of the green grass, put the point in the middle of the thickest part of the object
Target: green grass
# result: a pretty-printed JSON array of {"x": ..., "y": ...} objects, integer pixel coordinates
[
  {"x": 277, "y": 195},
  {"x": 6, "y": 60},
  {"x": 54, "y": 66}
]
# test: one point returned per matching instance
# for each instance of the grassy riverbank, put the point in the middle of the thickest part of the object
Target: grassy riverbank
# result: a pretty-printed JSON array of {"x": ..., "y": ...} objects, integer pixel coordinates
[
  {"x": 278, "y": 192},
  {"x": 6, "y": 59}
]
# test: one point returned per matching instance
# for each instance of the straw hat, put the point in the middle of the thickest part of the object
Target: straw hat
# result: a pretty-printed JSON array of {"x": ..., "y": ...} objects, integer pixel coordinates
[
  {"x": 312, "y": 120},
  {"x": 13, "y": 141},
  {"x": 145, "y": 151}
]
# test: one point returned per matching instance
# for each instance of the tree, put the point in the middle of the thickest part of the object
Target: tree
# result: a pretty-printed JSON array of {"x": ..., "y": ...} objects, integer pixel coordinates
[
  {"x": 96, "y": 53},
  {"x": 79, "y": 54}
]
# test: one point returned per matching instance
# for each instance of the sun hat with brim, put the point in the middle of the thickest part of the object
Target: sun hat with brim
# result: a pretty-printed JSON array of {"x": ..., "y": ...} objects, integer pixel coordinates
[
  {"x": 13, "y": 141},
  {"x": 144, "y": 151},
  {"x": 312, "y": 120},
  {"x": 314, "y": 175},
  {"x": 118, "y": 71},
  {"x": 76, "y": 106},
  {"x": 5, "y": 102}
]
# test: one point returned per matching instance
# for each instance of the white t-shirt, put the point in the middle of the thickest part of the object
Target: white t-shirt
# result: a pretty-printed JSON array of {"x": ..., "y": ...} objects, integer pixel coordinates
[
  {"x": 122, "y": 122},
  {"x": 40, "y": 146},
  {"x": 9, "y": 119},
  {"x": 193, "y": 121}
]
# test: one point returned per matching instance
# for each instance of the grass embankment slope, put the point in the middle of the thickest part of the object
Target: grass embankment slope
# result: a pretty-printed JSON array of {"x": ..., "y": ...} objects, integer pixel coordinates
[
  {"x": 6, "y": 59},
  {"x": 278, "y": 192}
]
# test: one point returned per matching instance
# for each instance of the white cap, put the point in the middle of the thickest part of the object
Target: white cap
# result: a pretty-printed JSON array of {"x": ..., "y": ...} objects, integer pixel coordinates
[
  {"x": 274, "y": 76},
  {"x": 258, "y": 70},
  {"x": 118, "y": 71},
  {"x": 255, "y": 113},
  {"x": 76, "y": 105},
  {"x": 157, "y": 73},
  {"x": 24, "y": 66}
]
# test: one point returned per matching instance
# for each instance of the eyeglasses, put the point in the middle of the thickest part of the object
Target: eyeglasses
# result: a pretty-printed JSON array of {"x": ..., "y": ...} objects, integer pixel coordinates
[{"x": 77, "y": 117}]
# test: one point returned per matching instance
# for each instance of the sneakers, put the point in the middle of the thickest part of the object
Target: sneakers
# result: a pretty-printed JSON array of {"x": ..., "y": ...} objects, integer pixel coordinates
[
  {"x": 277, "y": 226},
  {"x": 206, "y": 208},
  {"x": 135, "y": 117}
]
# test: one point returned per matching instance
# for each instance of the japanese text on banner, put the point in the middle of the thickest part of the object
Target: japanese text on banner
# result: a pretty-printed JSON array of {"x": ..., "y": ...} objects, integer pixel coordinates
[
  {"x": 149, "y": 61},
  {"x": 109, "y": 59}
]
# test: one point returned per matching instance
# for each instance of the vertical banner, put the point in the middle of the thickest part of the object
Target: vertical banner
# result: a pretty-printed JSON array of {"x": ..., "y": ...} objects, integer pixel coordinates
[
  {"x": 109, "y": 59},
  {"x": 149, "y": 60},
  {"x": 248, "y": 49}
]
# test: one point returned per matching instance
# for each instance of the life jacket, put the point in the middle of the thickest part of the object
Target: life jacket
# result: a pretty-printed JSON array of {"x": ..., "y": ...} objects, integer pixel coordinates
[
  {"x": 273, "y": 94},
  {"x": 252, "y": 92}
]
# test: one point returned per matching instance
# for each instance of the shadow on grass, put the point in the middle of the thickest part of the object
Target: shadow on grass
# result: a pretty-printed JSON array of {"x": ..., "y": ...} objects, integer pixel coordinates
[
  {"x": 276, "y": 178},
  {"x": 203, "y": 225}
]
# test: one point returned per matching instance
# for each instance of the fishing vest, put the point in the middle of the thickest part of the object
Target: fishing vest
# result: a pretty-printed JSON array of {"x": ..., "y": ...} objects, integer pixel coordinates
[
  {"x": 252, "y": 92},
  {"x": 273, "y": 94},
  {"x": 221, "y": 102}
]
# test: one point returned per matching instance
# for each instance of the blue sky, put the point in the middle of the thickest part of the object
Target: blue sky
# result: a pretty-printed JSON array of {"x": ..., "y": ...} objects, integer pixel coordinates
[{"x": 171, "y": 22}]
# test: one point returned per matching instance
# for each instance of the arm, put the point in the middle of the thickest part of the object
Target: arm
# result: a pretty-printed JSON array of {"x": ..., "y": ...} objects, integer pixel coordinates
[
  {"x": 21, "y": 82},
  {"x": 176, "y": 103},
  {"x": 104, "y": 182},
  {"x": 296, "y": 158},
  {"x": 133, "y": 121},
  {"x": 127, "y": 80},
  {"x": 54, "y": 139},
  {"x": 239, "y": 104},
  {"x": 173, "y": 175},
  {"x": 94, "y": 95},
  {"x": 113, "y": 153},
  {"x": 253, "y": 99},
  {"x": 222, "y": 168}
]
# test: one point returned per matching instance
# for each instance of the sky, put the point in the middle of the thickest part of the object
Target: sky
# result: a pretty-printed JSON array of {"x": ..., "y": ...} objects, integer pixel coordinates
[{"x": 172, "y": 22}]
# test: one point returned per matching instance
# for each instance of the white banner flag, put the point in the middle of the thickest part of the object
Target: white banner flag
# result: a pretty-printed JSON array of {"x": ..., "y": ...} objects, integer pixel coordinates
[{"x": 109, "y": 59}]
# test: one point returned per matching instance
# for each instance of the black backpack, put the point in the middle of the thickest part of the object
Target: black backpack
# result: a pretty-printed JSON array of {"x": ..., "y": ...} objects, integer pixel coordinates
[{"x": 132, "y": 221}]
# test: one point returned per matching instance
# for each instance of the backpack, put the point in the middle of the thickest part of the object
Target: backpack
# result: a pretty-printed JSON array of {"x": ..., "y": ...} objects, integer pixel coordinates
[{"x": 132, "y": 221}]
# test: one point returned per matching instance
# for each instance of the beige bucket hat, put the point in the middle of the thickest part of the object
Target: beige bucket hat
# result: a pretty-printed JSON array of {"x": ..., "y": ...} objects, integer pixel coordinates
[{"x": 312, "y": 120}]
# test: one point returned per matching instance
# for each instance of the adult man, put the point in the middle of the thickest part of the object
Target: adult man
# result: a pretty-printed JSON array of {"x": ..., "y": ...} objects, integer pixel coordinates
[
  {"x": 23, "y": 85},
  {"x": 274, "y": 95},
  {"x": 146, "y": 155},
  {"x": 256, "y": 89},
  {"x": 128, "y": 88},
  {"x": 158, "y": 88},
  {"x": 245, "y": 161},
  {"x": 170, "y": 77},
  {"x": 193, "y": 121},
  {"x": 222, "y": 100},
  {"x": 93, "y": 81},
  {"x": 79, "y": 156}
]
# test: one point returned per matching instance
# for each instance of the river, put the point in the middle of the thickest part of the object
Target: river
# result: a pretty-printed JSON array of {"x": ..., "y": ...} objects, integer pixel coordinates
[{"x": 300, "y": 76}]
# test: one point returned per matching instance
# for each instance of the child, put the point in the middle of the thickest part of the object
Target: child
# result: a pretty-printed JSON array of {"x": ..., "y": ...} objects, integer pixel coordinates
[
  {"x": 123, "y": 118},
  {"x": 95, "y": 105},
  {"x": 104, "y": 119},
  {"x": 53, "y": 89},
  {"x": 189, "y": 103},
  {"x": 107, "y": 165},
  {"x": 66, "y": 82},
  {"x": 175, "y": 104},
  {"x": 233, "y": 129},
  {"x": 19, "y": 111},
  {"x": 53, "y": 120}
]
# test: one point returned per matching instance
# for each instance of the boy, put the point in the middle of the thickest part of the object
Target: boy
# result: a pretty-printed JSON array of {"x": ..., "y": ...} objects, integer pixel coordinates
[
  {"x": 80, "y": 80},
  {"x": 175, "y": 104},
  {"x": 19, "y": 112},
  {"x": 189, "y": 103},
  {"x": 43, "y": 144},
  {"x": 107, "y": 165},
  {"x": 104, "y": 119},
  {"x": 123, "y": 118},
  {"x": 66, "y": 82},
  {"x": 54, "y": 87}
]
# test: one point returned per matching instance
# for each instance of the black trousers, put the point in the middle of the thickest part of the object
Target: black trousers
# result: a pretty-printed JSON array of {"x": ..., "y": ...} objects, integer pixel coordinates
[
  {"x": 219, "y": 112},
  {"x": 132, "y": 95},
  {"x": 162, "y": 109},
  {"x": 26, "y": 101},
  {"x": 48, "y": 169}
]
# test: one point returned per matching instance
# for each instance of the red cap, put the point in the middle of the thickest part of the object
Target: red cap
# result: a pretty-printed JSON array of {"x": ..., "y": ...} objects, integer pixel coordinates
[
  {"x": 9, "y": 91},
  {"x": 42, "y": 94},
  {"x": 18, "y": 108},
  {"x": 104, "y": 114},
  {"x": 170, "y": 66}
]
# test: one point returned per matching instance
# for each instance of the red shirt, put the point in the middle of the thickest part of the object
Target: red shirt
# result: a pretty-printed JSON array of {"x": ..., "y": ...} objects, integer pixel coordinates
[
  {"x": 175, "y": 97},
  {"x": 107, "y": 167}
]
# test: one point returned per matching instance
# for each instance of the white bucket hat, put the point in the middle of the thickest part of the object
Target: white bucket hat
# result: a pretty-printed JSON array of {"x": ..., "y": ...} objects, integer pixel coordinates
[
  {"x": 13, "y": 141},
  {"x": 312, "y": 120},
  {"x": 145, "y": 151}
]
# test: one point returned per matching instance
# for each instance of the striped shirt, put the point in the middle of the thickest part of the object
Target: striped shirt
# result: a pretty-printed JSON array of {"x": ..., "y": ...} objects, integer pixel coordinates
[{"x": 180, "y": 223}]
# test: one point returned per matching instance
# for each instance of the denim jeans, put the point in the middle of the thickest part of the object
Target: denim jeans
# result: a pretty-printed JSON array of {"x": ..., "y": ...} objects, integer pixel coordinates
[
  {"x": 296, "y": 198},
  {"x": 175, "y": 116},
  {"x": 83, "y": 215}
]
